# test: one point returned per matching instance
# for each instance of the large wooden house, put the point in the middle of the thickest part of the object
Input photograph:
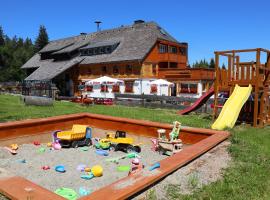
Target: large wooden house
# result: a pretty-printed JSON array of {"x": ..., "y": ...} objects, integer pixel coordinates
[{"x": 136, "y": 54}]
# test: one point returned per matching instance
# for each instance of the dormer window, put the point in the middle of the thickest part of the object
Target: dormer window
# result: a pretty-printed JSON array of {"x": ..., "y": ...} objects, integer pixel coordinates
[{"x": 99, "y": 48}]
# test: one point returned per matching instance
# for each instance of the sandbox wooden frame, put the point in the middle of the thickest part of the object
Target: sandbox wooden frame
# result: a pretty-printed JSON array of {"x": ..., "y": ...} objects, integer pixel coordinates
[{"x": 202, "y": 140}]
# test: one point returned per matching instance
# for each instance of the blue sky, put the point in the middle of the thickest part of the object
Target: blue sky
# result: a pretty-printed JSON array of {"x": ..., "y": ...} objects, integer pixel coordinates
[{"x": 207, "y": 25}]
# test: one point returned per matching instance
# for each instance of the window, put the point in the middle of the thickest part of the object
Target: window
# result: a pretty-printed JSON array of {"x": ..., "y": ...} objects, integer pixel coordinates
[
  {"x": 101, "y": 50},
  {"x": 129, "y": 86},
  {"x": 129, "y": 69},
  {"x": 89, "y": 88},
  {"x": 154, "y": 69},
  {"x": 89, "y": 71},
  {"x": 183, "y": 51},
  {"x": 189, "y": 88},
  {"x": 104, "y": 69},
  {"x": 163, "y": 48},
  {"x": 116, "y": 88},
  {"x": 108, "y": 49},
  {"x": 104, "y": 88},
  {"x": 153, "y": 88},
  {"x": 90, "y": 51},
  {"x": 95, "y": 51},
  {"x": 193, "y": 88},
  {"x": 115, "y": 70},
  {"x": 173, "y": 49},
  {"x": 184, "y": 88}
]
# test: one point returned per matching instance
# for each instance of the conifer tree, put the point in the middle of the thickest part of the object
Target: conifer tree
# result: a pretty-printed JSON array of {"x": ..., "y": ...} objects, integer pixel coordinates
[
  {"x": 2, "y": 37},
  {"x": 42, "y": 39},
  {"x": 212, "y": 63}
]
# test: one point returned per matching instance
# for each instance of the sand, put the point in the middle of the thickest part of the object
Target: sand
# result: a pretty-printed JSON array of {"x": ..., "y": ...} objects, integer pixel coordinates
[
  {"x": 70, "y": 158},
  {"x": 204, "y": 170}
]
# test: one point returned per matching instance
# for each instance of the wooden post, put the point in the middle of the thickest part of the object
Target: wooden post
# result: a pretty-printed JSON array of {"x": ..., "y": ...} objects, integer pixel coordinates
[
  {"x": 237, "y": 68},
  {"x": 256, "y": 99},
  {"x": 229, "y": 76},
  {"x": 216, "y": 85}
]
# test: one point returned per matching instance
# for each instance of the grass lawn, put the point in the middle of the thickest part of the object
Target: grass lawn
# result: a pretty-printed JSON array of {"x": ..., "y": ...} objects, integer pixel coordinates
[{"x": 247, "y": 178}]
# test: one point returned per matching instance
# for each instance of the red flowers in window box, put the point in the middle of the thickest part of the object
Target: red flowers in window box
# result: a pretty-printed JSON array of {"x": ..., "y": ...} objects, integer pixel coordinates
[
  {"x": 89, "y": 88},
  {"x": 153, "y": 88},
  {"x": 129, "y": 87},
  {"x": 116, "y": 88}
]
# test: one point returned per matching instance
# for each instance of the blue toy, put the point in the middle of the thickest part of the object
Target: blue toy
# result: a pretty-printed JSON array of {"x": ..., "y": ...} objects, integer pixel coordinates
[
  {"x": 60, "y": 168},
  {"x": 154, "y": 166},
  {"x": 83, "y": 191},
  {"x": 87, "y": 176},
  {"x": 102, "y": 152}
]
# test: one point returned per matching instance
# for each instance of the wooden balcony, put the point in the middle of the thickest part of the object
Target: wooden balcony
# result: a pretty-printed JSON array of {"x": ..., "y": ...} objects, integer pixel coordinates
[{"x": 177, "y": 74}]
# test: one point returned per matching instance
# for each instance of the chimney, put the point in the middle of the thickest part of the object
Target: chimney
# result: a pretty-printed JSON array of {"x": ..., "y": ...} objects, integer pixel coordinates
[
  {"x": 97, "y": 23},
  {"x": 139, "y": 21}
]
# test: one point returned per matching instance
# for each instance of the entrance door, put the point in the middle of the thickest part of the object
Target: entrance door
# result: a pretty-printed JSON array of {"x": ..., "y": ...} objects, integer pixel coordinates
[{"x": 173, "y": 89}]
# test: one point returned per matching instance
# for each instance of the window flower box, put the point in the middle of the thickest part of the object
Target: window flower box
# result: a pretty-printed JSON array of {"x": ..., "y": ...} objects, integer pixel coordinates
[
  {"x": 89, "y": 88},
  {"x": 153, "y": 89},
  {"x": 116, "y": 88}
]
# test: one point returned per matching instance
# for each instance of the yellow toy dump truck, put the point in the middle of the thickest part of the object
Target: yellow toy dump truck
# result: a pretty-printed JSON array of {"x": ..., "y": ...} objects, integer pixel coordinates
[
  {"x": 119, "y": 141},
  {"x": 79, "y": 135}
]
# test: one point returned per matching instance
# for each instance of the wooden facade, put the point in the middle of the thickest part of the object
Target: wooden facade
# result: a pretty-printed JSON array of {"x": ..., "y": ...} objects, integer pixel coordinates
[
  {"x": 168, "y": 63},
  {"x": 255, "y": 73}
]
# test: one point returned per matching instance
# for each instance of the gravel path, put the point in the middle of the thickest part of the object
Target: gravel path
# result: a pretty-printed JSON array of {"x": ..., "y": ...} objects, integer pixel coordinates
[{"x": 202, "y": 171}]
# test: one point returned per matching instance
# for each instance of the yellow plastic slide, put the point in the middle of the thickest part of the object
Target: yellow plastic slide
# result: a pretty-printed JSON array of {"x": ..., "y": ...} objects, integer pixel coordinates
[{"x": 232, "y": 108}]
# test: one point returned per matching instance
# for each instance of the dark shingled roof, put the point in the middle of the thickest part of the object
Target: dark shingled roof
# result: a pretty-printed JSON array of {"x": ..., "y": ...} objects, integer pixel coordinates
[
  {"x": 135, "y": 42},
  {"x": 49, "y": 70}
]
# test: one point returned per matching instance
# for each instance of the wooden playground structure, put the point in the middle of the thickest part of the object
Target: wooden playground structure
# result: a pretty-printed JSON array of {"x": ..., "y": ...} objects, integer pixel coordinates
[{"x": 256, "y": 73}]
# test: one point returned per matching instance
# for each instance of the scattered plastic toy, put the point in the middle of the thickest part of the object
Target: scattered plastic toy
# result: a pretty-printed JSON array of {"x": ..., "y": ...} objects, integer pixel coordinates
[
  {"x": 14, "y": 146},
  {"x": 13, "y": 152},
  {"x": 81, "y": 167},
  {"x": 87, "y": 169},
  {"x": 37, "y": 143},
  {"x": 102, "y": 152},
  {"x": 154, "y": 166},
  {"x": 83, "y": 191},
  {"x": 67, "y": 193},
  {"x": 49, "y": 144},
  {"x": 129, "y": 155},
  {"x": 136, "y": 167},
  {"x": 119, "y": 141},
  {"x": 46, "y": 167},
  {"x": 41, "y": 150},
  {"x": 60, "y": 168},
  {"x": 56, "y": 146},
  {"x": 123, "y": 168},
  {"x": 154, "y": 144},
  {"x": 22, "y": 161},
  {"x": 97, "y": 170},
  {"x": 103, "y": 144},
  {"x": 79, "y": 135},
  {"x": 135, "y": 161},
  {"x": 87, "y": 176},
  {"x": 85, "y": 148}
]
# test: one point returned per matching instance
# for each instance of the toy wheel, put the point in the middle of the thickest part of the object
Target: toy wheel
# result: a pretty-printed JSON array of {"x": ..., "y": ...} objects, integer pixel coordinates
[
  {"x": 113, "y": 147},
  {"x": 75, "y": 144},
  {"x": 88, "y": 142},
  {"x": 137, "y": 149},
  {"x": 130, "y": 149}
]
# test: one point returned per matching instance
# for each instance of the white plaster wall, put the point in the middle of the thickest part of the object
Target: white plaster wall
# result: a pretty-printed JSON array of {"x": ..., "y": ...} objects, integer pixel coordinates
[{"x": 141, "y": 86}]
